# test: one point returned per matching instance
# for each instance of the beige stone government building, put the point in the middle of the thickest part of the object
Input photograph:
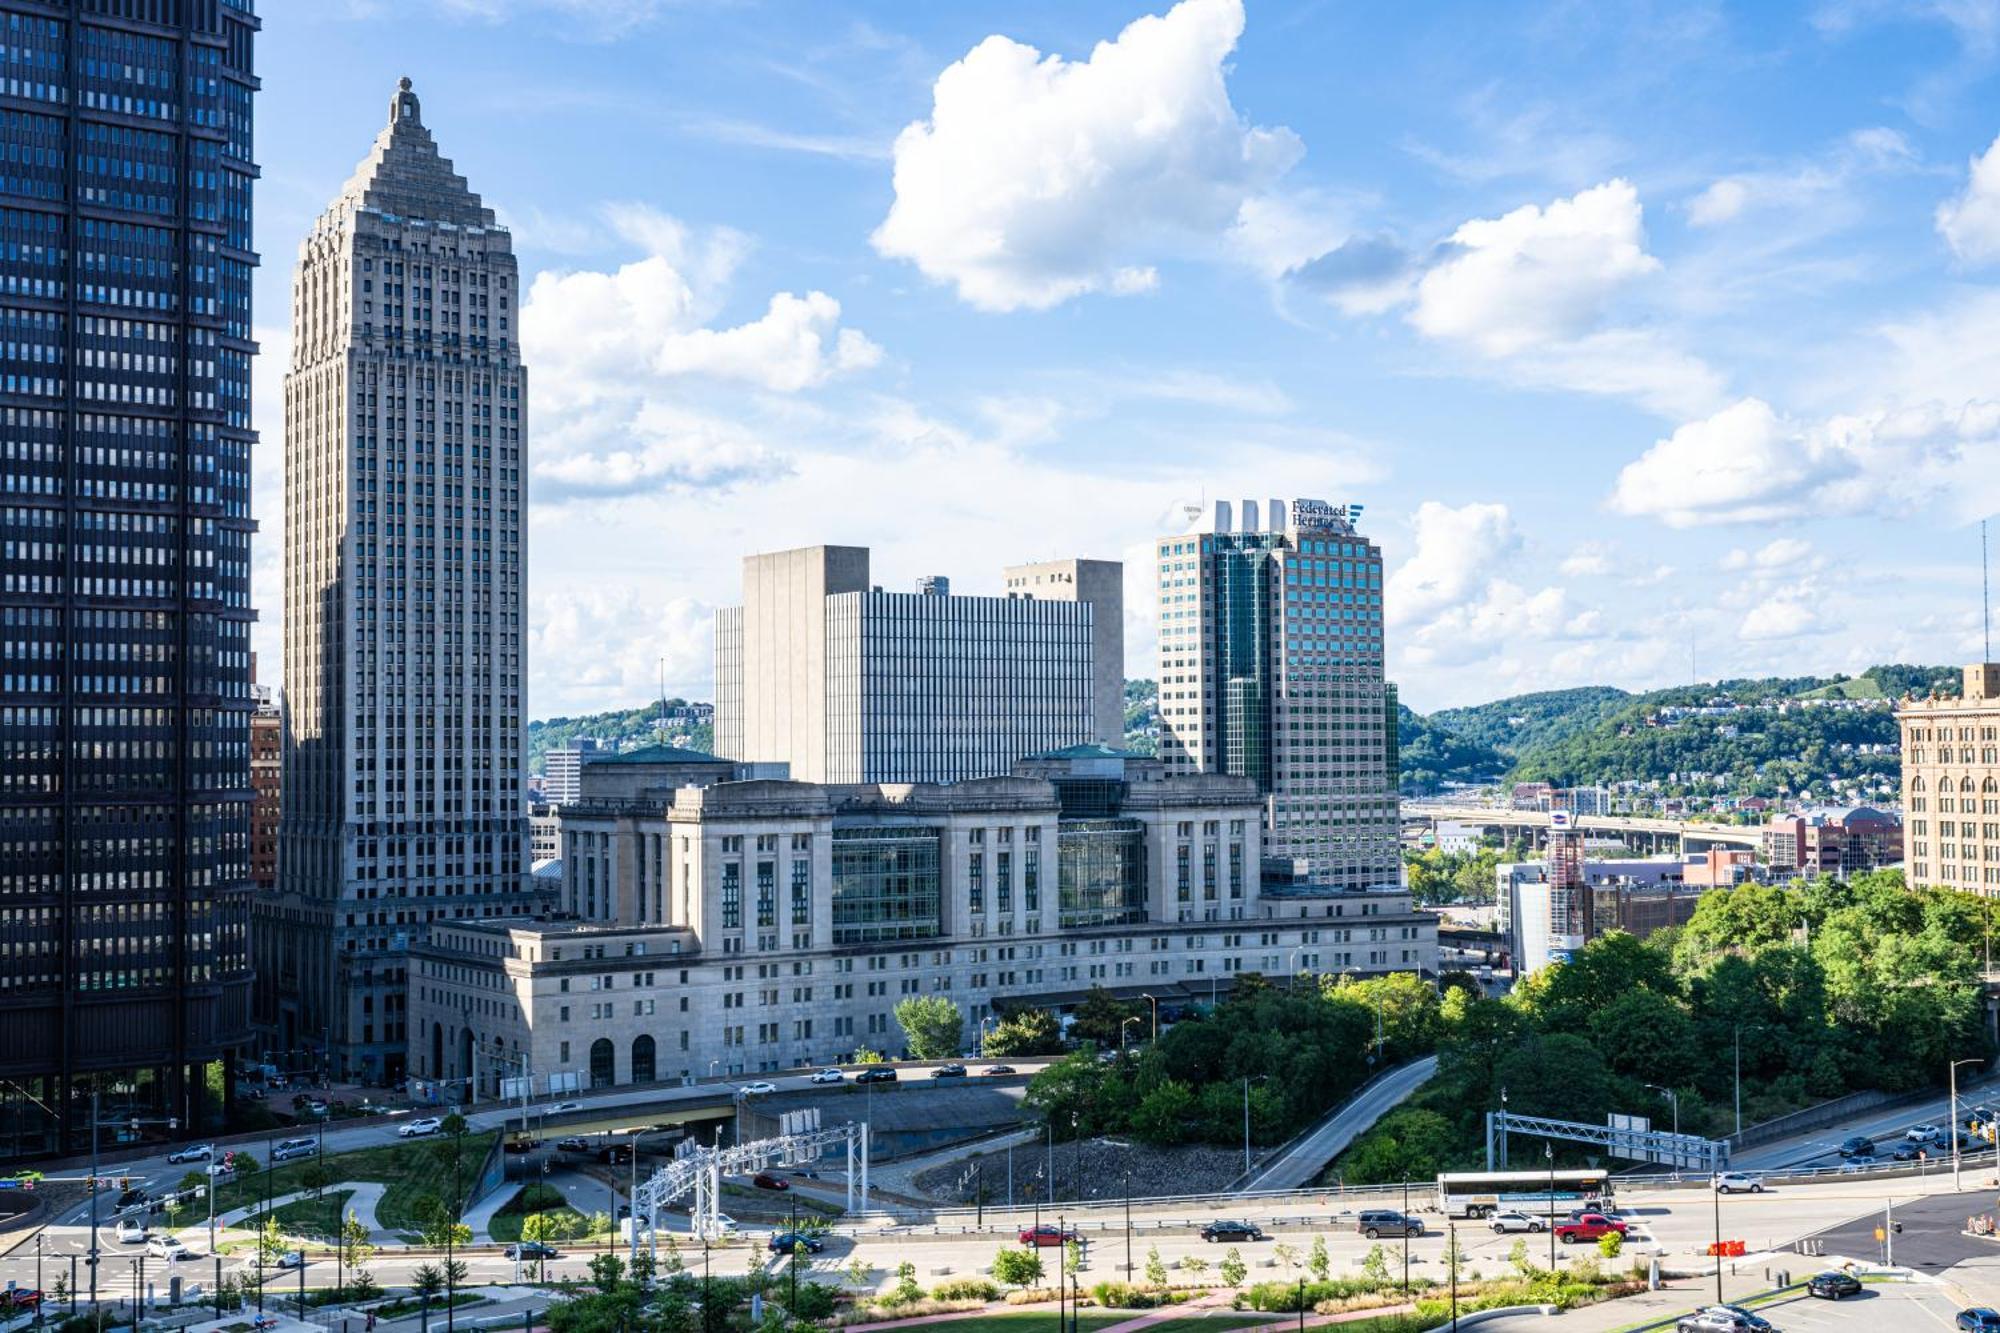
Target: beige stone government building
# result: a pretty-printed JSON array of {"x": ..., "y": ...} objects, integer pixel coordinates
[
  {"x": 1951, "y": 785},
  {"x": 717, "y": 921}
]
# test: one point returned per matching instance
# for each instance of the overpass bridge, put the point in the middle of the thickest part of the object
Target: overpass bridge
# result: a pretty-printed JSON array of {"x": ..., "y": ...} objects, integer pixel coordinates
[{"x": 1641, "y": 834}]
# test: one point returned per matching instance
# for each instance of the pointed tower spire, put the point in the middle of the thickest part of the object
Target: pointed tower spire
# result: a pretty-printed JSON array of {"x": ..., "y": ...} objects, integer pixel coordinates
[{"x": 405, "y": 175}]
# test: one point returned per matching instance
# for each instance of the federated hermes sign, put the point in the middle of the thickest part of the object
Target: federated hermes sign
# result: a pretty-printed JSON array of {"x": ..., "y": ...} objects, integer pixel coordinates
[{"x": 1308, "y": 514}]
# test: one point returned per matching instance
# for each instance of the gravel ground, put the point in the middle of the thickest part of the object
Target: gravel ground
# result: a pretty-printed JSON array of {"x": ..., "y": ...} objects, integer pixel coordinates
[{"x": 1092, "y": 1169}]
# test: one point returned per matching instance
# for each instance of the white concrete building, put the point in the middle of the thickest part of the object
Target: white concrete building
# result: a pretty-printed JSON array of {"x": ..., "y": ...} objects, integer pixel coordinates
[
  {"x": 405, "y": 559},
  {"x": 562, "y": 769},
  {"x": 1271, "y": 668},
  {"x": 757, "y": 925},
  {"x": 844, "y": 682}
]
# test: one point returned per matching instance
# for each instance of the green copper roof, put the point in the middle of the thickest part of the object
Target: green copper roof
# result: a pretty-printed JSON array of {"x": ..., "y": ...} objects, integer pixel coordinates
[{"x": 654, "y": 754}]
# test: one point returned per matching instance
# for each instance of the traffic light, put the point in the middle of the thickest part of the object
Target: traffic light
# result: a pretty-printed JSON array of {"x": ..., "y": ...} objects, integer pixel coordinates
[
  {"x": 90, "y": 1184},
  {"x": 124, "y": 1182}
]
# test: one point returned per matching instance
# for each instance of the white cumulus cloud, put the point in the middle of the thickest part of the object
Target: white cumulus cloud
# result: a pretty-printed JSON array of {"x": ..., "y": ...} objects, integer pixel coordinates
[
  {"x": 1783, "y": 618},
  {"x": 1778, "y": 554},
  {"x": 1536, "y": 275},
  {"x": 1036, "y": 179},
  {"x": 590, "y": 334},
  {"x": 1970, "y": 222},
  {"x": 1451, "y": 602},
  {"x": 1747, "y": 464}
]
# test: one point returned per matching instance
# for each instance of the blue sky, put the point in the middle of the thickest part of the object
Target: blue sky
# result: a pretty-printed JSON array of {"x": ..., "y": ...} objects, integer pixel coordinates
[{"x": 1645, "y": 331}]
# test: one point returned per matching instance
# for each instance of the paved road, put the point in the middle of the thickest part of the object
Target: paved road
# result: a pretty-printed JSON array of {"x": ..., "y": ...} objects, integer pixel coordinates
[
  {"x": 1820, "y": 1147},
  {"x": 1304, "y": 1160}
]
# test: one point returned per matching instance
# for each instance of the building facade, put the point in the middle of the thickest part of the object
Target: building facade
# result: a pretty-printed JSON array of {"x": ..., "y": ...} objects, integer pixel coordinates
[
  {"x": 1271, "y": 669},
  {"x": 1835, "y": 842},
  {"x": 562, "y": 770},
  {"x": 712, "y": 923},
  {"x": 1951, "y": 785},
  {"x": 267, "y": 780},
  {"x": 125, "y": 701},
  {"x": 1637, "y": 896},
  {"x": 404, "y": 569},
  {"x": 843, "y": 682}
]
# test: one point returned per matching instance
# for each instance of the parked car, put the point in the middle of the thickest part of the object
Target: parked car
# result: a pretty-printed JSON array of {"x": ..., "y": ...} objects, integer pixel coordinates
[
  {"x": 829, "y": 1076},
  {"x": 877, "y": 1074},
  {"x": 1376, "y": 1223},
  {"x": 1231, "y": 1231},
  {"x": 761, "y": 1088},
  {"x": 764, "y": 1180},
  {"x": 1857, "y": 1145},
  {"x": 24, "y": 1298},
  {"x": 131, "y": 1231},
  {"x": 1590, "y": 1226},
  {"x": 531, "y": 1249},
  {"x": 572, "y": 1144},
  {"x": 1729, "y": 1182},
  {"x": 948, "y": 1071},
  {"x": 1048, "y": 1233},
  {"x": 417, "y": 1129},
  {"x": 788, "y": 1242},
  {"x": 1514, "y": 1220},
  {"x": 200, "y": 1152},
  {"x": 166, "y": 1247},
  {"x": 1833, "y": 1286},
  {"x": 996, "y": 1071},
  {"x": 1980, "y": 1319},
  {"x": 1722, "y": 1319}
]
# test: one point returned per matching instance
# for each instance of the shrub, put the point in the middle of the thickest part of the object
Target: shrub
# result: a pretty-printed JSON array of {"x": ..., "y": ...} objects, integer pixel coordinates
[
  {"x": 1125, "y": 1296},
  {"x": 965, "y": 1289}
]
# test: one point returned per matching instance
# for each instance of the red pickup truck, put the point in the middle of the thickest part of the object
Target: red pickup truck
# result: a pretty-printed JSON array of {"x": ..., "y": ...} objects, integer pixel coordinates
[{"x": 1588, "y": 1226}]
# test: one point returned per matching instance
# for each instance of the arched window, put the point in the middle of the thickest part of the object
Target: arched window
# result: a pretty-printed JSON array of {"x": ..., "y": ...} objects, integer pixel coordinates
[
  {"x": 642, "y": 1058},
  {"x": 1917, "y": 782},
  {"x": 603, "y": 1063}
]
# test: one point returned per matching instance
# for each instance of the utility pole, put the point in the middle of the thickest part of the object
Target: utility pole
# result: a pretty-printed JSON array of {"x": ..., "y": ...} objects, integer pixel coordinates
[{"x": 1955, "y": 1127}]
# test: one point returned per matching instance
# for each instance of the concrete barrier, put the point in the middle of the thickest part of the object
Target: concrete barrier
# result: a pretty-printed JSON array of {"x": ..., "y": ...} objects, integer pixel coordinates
[{"x": 1500, "y": 1312}]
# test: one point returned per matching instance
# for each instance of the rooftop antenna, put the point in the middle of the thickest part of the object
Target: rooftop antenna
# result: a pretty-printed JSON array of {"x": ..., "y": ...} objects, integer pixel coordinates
[
  {"x": 1985, "y": 594},
  {"x": 663, "y": 698}
]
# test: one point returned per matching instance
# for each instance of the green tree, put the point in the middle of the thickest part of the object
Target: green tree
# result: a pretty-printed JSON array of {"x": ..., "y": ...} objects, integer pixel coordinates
[
  {"x": 1156, "y": 1268},
  {"x": 271, "y": 1242},
  {"x": 1454, "y": 1257},
  {"x": 906, "y": 1289},
  {"x": 1609, "y": 1244},
  {"x": 606, "y": 1271},
  {"x": 1376, "y": 1264},
  {"x": 1194, "y": 1264},
  {"x": 860, "y": 1275},
  {"x": 355, "y": 1248},
  {"x": 1163, "y": 1114},
  {"x": 1318, "y": 1262},
  {"x": 1017, "y": 1267},
  {"x": 314, "y": 1177},
  {"x": 1024, "y": 1032},
  {"x": 1287, "y": 1254},
  {"x": 427, "y": 1280},
  {"x": 1099, "y": 1018},
  {"x": 864, "y": 1056},
  {"x": 933, "y": 1026},
  {"x": 1232, "y": 1268}
]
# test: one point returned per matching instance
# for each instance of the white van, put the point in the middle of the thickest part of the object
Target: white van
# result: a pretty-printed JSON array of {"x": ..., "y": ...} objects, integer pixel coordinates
[{"x": 291, "y": 1148}]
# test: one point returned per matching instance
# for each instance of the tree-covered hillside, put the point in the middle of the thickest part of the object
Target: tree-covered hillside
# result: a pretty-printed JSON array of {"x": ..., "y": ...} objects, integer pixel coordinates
[
  {"x": 1434, "y": 756},
  {"x": 621, "y": 729},
  {"x": 1515, "y": 726}
]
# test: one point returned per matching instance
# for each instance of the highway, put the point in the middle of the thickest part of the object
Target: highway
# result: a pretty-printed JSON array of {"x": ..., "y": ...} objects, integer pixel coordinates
[
  {"x": 1302, "y": 1161},
  {"x": 1820, "y": 1147}
]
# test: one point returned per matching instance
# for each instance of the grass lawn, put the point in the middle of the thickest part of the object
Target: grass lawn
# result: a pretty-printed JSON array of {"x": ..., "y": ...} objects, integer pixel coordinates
[
  {"x": 506, "y": 1224},
  {"x": 314, "y": 1218},
  {"x": 410, "y": 1170}
]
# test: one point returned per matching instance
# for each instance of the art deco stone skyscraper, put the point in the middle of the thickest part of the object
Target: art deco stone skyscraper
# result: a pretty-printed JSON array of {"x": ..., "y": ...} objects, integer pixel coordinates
[{"x": 404, "y": 583}]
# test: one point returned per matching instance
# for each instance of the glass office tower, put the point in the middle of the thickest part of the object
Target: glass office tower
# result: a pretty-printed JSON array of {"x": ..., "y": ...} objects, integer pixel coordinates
[{"x": 125, "y": 699}]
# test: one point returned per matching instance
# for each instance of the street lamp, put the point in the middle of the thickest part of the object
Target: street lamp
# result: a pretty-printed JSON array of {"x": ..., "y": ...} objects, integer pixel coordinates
[
  {"x": 1247, "y": 1081},
  {"x": 1549, "y": 1152},
  {"x": 1125, "y": 1032},
  {"x": 1155, "y": 1000},
  {"x": 1954, "y": 1116}
]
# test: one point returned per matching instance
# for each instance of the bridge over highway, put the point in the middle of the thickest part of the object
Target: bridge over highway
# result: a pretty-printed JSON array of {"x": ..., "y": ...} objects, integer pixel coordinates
[{"x": 1646, "y": 834}]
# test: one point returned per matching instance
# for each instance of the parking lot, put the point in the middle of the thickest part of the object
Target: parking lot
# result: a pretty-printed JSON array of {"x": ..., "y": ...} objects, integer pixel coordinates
[{"x": 1887, "y": 1307}]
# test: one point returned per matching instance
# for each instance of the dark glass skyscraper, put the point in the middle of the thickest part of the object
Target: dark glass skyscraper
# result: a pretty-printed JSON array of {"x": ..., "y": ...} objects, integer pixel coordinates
[{"x": 125, "y": 701}]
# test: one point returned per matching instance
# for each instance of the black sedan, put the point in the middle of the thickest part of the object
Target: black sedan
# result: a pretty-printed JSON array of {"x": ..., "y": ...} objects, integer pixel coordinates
[
  {"x": 1231, "y": 1231},
  {"x": 948, "y": 1071},
  {"x": 876, "y": 1074},
  {"x": 531, "y": 1249},
  {"x": 788, "y": 1242},
  {"x": 1858, "y": 1145},
  {"x": 1833, "y": 1286}
]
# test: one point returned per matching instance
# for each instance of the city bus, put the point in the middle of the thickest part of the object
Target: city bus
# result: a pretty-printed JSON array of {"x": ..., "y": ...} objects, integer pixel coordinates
[{"x": 1482, "y": 1193}]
